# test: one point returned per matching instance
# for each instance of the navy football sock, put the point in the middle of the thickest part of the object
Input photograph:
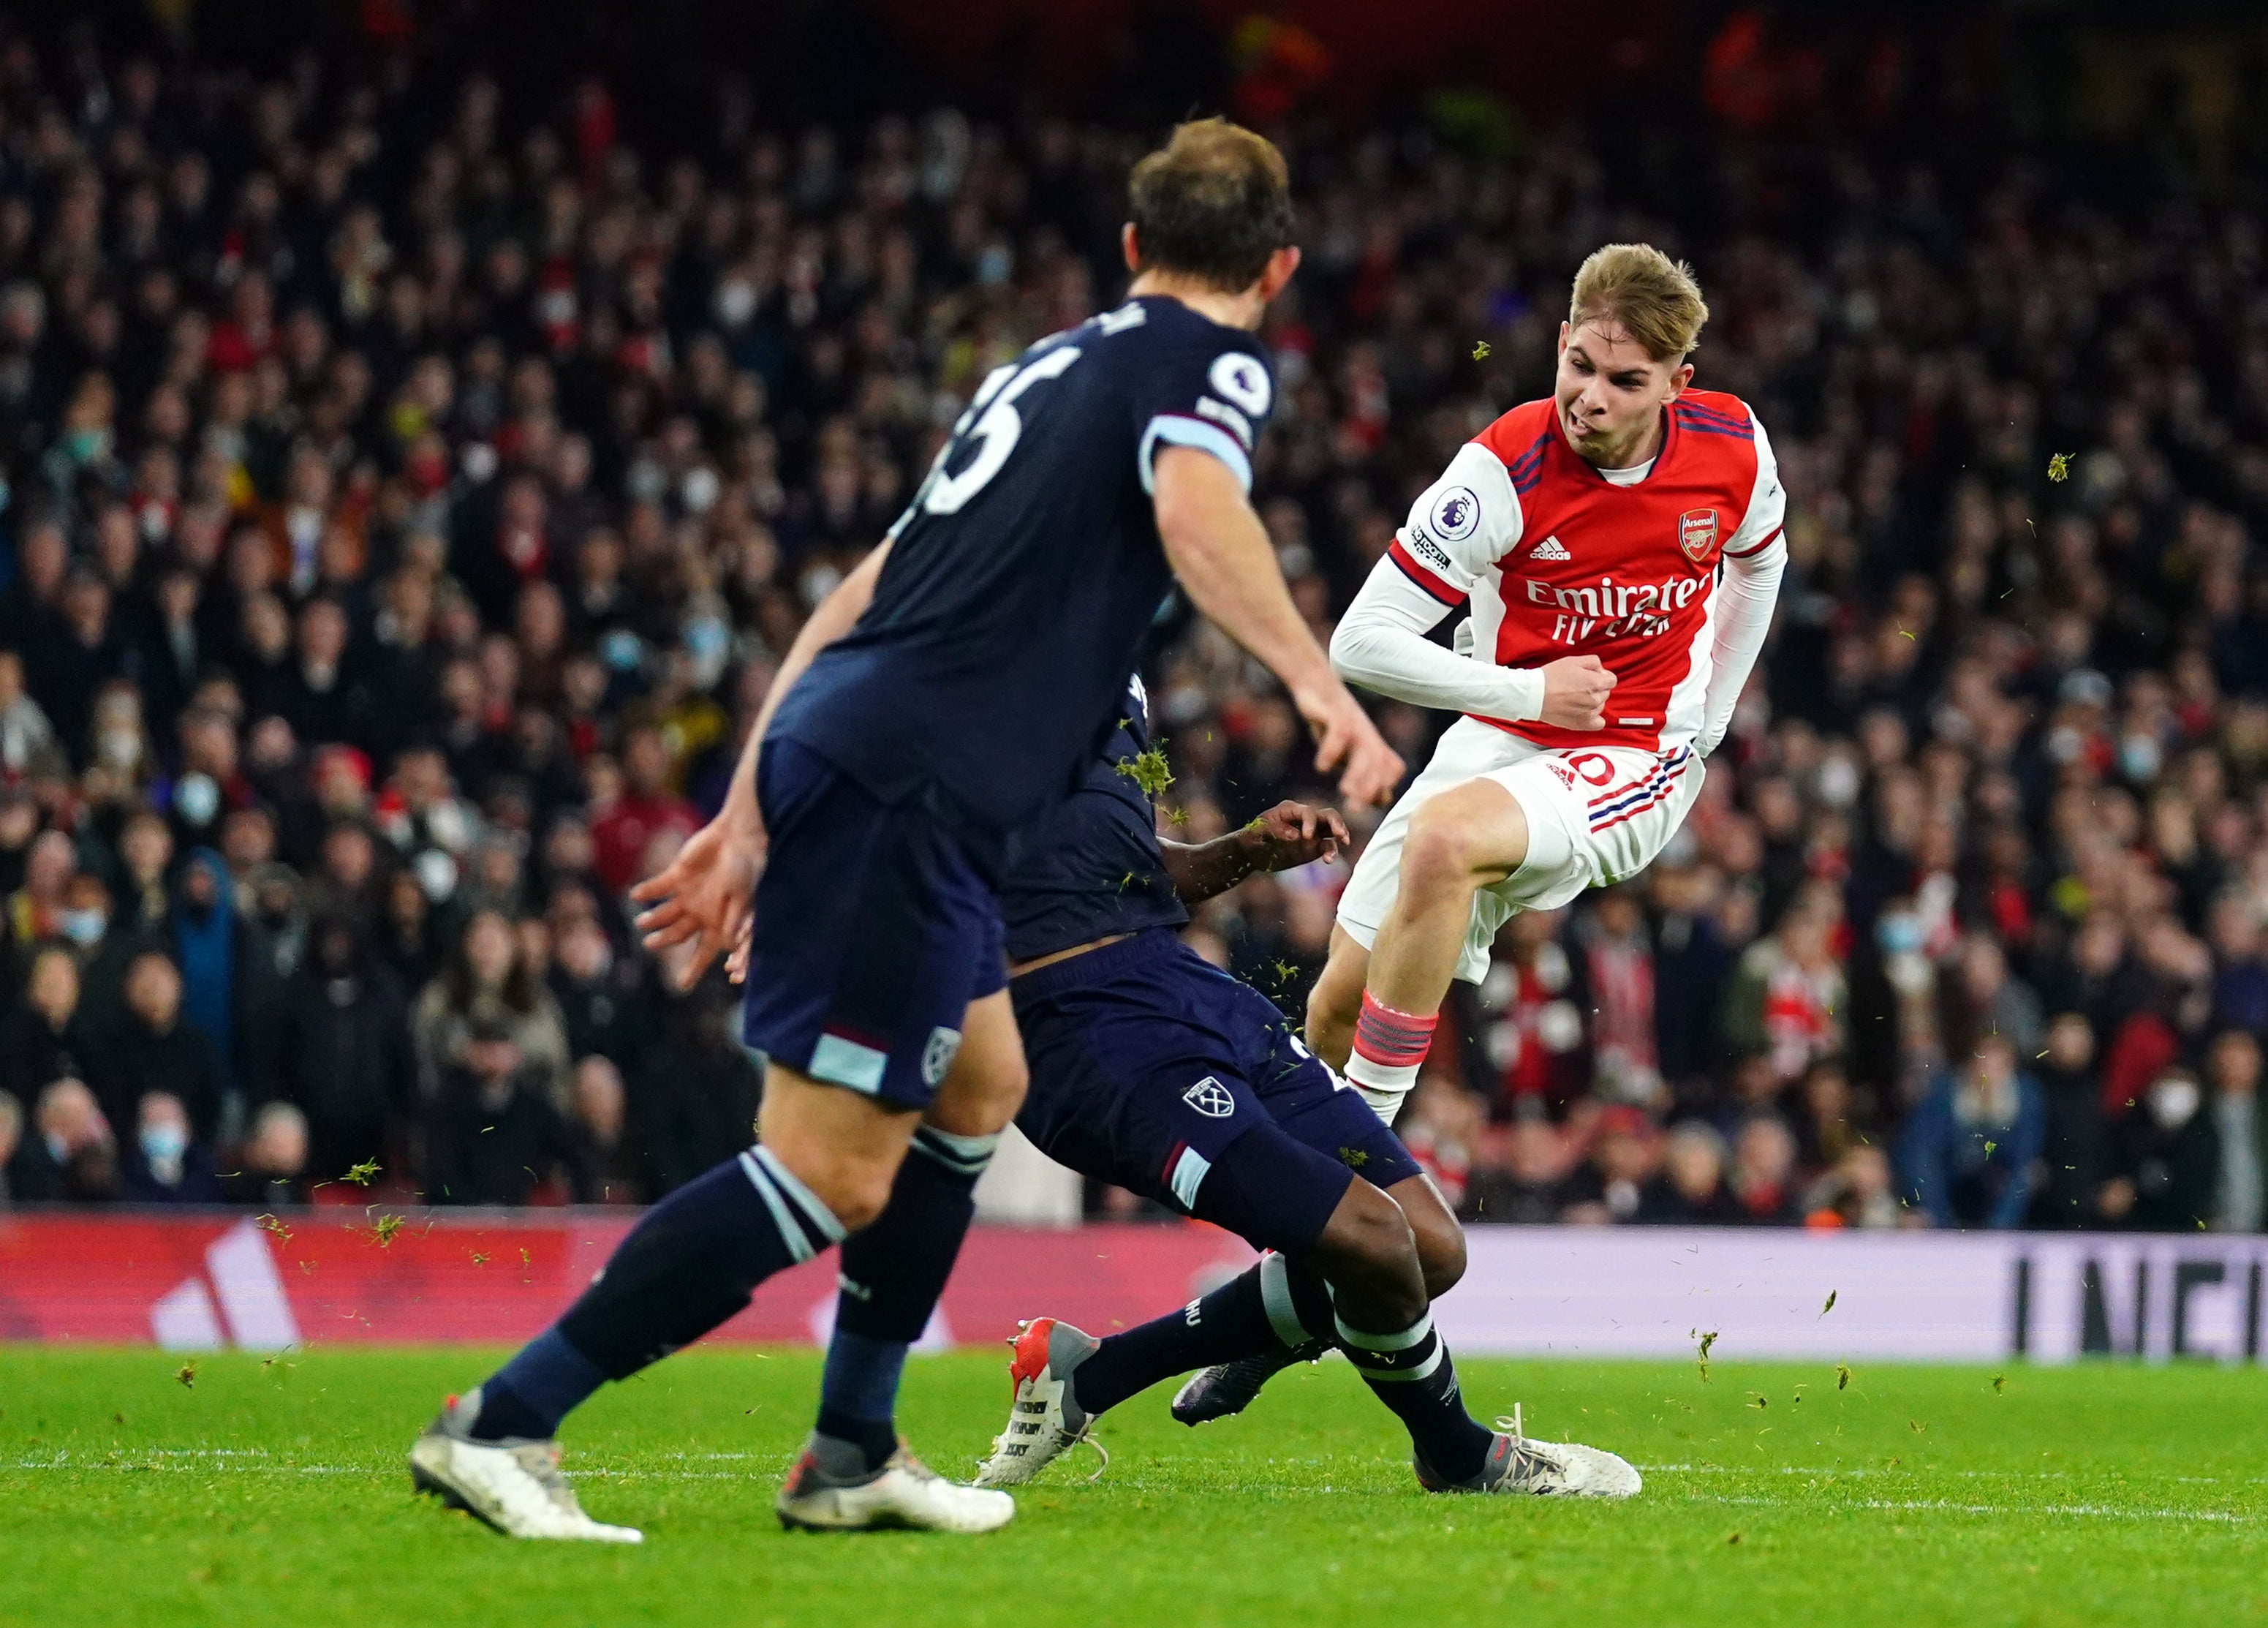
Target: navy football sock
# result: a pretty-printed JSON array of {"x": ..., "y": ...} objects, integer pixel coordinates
[
  {"x": 1410, "y": 1371},
  {"x": 529, "y": 1396},
  {"x": 689, "y": 1263},
  {"x": 1231, "y": 1322},
  {"x": 893, "y": 1272}
]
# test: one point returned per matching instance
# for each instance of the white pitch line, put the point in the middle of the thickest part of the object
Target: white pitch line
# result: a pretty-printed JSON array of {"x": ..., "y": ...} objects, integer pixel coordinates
[
  {"x": 173, "y": 1465},
  {"x": 1975, "y": 1475},
  {"x": 1947, "y": 1507},
  {"x": 172, "y": 1460}
]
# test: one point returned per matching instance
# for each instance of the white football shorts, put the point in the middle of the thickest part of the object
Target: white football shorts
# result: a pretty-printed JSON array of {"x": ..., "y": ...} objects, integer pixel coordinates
[{"x": 1597, "y": 815}]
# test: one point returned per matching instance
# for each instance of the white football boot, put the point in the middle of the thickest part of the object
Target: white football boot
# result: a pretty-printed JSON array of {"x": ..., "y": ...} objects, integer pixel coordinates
[
  {"x": 514, "y": 1483},
  {"x": 1540, "y": 1468},
  {"x": 1045, "y": 1421},
  {"x": 905, "y": 1494}
]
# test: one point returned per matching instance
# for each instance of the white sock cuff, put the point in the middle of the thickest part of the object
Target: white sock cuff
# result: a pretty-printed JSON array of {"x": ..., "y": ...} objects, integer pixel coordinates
[
  {"x": 963, "y": 1155},
  {"x": 1276, "y": 1298},
  {"x": 1395, "y": 1079},
  {"x": 785, "y": 1194},
  {"x": 1401, "y": 1339}
]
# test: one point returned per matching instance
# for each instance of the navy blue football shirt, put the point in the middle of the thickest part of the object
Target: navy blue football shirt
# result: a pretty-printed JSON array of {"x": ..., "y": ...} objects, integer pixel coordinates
[
  {"x": 992, "y": 664},
  {"x": 1092, "y": 866}
]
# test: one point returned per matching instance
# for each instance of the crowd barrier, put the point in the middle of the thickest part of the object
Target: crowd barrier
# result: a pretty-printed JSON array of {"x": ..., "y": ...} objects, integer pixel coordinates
[{"x": 204, "y": 1280}]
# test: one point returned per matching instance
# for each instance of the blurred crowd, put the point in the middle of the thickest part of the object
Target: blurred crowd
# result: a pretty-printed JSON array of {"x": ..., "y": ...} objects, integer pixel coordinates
[{"x": 408, "y": 500}]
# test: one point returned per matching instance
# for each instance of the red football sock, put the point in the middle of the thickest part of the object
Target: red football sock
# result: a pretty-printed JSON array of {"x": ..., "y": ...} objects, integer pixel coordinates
[{"x": 1389, "y": 1045}]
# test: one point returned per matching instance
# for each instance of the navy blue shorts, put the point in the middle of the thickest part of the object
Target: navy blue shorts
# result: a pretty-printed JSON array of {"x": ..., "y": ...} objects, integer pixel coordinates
[
  {"x": 1149, "y": 1064},
  {"x": 874, "y": 929}
]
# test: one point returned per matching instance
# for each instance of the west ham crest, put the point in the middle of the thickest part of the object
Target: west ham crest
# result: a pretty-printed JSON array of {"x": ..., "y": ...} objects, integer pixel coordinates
[
  {"x": 1211, "y": 1098},
  {"x": 1696, "y": 534}
]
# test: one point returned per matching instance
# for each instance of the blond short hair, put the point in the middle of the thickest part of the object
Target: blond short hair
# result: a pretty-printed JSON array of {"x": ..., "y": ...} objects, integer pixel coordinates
[{"x": 1651, "y": 298}]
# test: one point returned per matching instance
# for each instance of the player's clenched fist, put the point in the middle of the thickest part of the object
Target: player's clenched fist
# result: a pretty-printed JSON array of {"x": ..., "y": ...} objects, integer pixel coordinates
[{"x": 1575, "y": 689}]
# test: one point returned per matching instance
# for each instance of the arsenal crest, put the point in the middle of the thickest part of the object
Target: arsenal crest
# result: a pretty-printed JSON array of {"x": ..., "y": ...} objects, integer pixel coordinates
[{"x": 1696, "y": 534}]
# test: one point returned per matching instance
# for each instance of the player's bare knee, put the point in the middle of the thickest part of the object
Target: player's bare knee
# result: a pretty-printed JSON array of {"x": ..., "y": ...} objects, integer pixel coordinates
[
  {"x": 1369, "y": 1251},
  {"x": 1438, "y": 853},
  {"x": 1005, "y": 1092},
  {"x": 1440, "y": 1242},
  {"x": 982, "y": 1102},
  {"x": 853, "y": 1184},
  {"x": 857, "y": 1196},
  {"x": 1441, "y": 1252}
]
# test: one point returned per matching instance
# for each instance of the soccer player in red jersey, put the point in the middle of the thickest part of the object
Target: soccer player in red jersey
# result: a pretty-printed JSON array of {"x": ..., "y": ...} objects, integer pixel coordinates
[{"x": 1619, "y": 543}]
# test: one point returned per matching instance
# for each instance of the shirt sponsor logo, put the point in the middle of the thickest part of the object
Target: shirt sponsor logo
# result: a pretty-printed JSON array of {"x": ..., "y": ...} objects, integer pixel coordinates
[
  {"x": 1697, "y": 533},
  {"x": 1605, "y": 609},
  {"x": 1456, "y": 514}
]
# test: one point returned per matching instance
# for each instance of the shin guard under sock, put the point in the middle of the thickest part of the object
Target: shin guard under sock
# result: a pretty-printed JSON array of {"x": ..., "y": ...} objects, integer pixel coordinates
[
  {"x": 1410, "y": 1371},
  {"x": 694, "y": 1259},
  {"x": 1229, "y": 1323},
  {"x": 893, "y": 1272},
  {"x": 1389, "y": 1046}
]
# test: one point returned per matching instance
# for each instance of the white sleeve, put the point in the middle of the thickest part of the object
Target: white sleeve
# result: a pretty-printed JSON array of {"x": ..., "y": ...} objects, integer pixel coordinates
[
  {"x": 1754, "y": 558},
  {"x": 1460, "y": 527},
  {"x": 1381, "y": 644}
]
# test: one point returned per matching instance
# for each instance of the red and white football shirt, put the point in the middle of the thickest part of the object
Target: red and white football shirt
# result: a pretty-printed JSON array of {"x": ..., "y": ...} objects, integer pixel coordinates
[{"x": 1560, "y": 558}]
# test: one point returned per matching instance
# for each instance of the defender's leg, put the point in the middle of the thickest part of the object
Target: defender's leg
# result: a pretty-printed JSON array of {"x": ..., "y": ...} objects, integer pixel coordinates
[{"x": 895, "y": 1269}]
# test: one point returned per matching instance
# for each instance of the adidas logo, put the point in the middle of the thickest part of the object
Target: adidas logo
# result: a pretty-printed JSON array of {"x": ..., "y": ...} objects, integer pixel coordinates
[
  {"x": 1550, "y": 548},
  {"x": 250, "y": 1298}
]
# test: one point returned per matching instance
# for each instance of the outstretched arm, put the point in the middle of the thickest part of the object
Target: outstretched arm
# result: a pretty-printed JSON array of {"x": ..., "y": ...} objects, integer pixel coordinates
[
  {"x": 1288, "y": 836},
  {"x": 1220, "y": 552},
  {"x": 705, "y": 894}
]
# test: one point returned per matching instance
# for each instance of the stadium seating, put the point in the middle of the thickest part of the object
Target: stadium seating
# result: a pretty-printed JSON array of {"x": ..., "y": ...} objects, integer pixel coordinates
[{"x": 408, "y": 500}]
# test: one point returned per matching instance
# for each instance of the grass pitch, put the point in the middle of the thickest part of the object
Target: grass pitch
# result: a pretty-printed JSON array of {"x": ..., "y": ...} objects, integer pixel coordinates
[{"x": 276, "y": 1493}]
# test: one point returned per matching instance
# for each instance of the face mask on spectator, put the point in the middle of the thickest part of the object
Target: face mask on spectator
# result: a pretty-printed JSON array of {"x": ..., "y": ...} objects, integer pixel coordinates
[
  {"x": 1898, "y": 933},
  {"x": 436, "y": 873},
  {"x": 709, "y": 642},
  {"x": 2139, "y": 758},
  {"x": 623, "y": 650},
  {"x": 736, "y": 301},
  {"x": 2174, "y": 1101},
  {"x": 162, "y": 1145},
  {"x": 83, "y": 927},
  {"x": 121, "y": 749},
  {"x": 196, "y": 799},
  {"x": 647, "y": 481},
  {"x": 1838, "y": 782}
]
